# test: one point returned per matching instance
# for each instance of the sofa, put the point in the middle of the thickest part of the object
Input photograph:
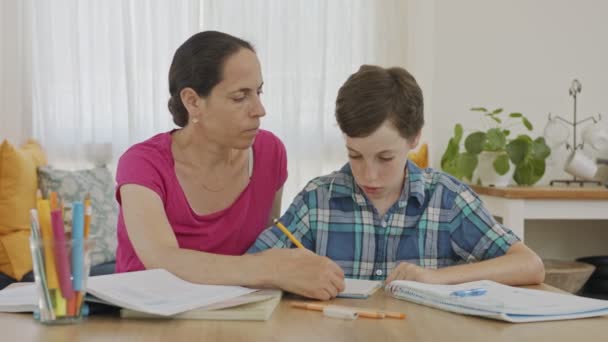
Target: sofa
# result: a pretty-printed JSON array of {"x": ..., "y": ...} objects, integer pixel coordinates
[{"x": 24, "y": 171}]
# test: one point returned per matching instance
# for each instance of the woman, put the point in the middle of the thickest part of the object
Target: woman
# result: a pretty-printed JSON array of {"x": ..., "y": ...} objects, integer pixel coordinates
[
  {"x": 382, "y": 217},
  {"x": 193, "y": 200}
]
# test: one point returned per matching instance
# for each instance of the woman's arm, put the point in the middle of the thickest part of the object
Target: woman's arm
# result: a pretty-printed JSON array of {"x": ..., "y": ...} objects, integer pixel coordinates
[
  {"x": 156, "y": 246},
  {"x": 518, "y": 266},
  {"x": 275, "y": 212}
]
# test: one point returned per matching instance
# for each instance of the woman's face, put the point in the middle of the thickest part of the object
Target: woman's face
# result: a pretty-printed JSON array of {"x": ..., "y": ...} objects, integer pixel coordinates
[
  {"x": 378, "y": 161},
  {"x": 232, "y": 111}
]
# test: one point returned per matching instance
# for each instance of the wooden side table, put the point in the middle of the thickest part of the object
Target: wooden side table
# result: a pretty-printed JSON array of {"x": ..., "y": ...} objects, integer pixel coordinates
[{"x": 515, "y": 205}]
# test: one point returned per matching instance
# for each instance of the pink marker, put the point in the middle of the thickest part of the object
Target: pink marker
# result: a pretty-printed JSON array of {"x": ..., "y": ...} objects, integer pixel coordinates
[{"x": 62, "y": 260}]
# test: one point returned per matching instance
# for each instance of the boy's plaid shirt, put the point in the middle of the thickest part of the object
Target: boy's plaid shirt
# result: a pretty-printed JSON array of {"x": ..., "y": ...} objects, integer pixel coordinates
[{"x": 438, "y": 221}]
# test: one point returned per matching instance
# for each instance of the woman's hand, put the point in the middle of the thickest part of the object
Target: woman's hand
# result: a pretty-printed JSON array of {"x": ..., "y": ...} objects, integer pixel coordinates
[
  {"x": 407, "y": 271},
  {"x": 302, "y": 272}
]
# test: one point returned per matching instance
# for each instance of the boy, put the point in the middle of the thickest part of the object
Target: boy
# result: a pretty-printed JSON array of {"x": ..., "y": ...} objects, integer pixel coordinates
[{"x": 381, "y": 217}]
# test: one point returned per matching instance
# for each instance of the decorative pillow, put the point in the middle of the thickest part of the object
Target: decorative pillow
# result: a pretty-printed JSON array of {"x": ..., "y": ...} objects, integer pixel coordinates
[
  {"x": 98, "y": 183},
  {"x": 18, "y": 185},
  {"x": 420, "y": 157}
]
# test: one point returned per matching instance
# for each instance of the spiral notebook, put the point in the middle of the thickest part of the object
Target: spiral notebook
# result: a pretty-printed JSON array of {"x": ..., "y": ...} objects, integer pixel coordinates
[{"x": 498, "y": 301}]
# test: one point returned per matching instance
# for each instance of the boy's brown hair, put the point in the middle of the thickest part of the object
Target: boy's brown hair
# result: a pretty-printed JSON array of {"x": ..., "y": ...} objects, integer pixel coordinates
[{"x": 373, "y": 95}]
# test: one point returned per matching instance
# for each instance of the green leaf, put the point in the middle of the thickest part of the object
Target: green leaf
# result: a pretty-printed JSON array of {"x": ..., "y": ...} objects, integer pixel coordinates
[
  {"x": 450, "y": 154},
  {"x": 506, "y": 132},
  {"x": 501, "y": 164},
  {"x": 466, "y": 164},
  {"x": 517, "y": 150},
  {"x": 479, "y": 109},
  {"x": 540, "y": 150},
  {"x": 524, "y": 174},
  {"x": 451, "y": 168},
  {"x": 529, "y": 172},
  {"x": 525, "y": 138},
  {"x": 496, "y": 119},
  {"x": 539, "y": 169},
  {"x": 515, "y": 115},
  {"x": 474, "y": 142},
  {"x": 495, "y": 140},
  {"x": 458, "y": 133},
  {"x": 497, "y": 111},
  {"x": 527, "y": 123}
]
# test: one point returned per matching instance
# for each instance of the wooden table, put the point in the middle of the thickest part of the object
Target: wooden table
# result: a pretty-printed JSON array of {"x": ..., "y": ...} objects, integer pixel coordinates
[
  {"x": 288, "y": 324},
  {"x": 515, "y": 205}
]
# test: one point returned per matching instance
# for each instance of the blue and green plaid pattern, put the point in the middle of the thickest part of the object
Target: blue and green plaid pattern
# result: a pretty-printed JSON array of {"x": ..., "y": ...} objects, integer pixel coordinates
[{"x": 437, "y": 222}]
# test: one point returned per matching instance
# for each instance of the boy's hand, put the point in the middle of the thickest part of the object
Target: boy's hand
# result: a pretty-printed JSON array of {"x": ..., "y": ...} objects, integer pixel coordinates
[
  {"x": 302, "y": 272},
  {"x": 407, "y": 271}
]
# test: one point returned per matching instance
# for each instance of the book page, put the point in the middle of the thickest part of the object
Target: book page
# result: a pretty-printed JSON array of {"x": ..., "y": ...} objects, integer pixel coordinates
[
  {"x": 258, "y": 296},
  {"x": 18, "y": 298},
  {"x": 159, "y": 292},
  {"x": 251, "y": 307}
]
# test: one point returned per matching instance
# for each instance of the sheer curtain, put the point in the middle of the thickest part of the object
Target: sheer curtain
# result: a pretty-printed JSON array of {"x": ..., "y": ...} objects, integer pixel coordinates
[
  {"x": 307, "y": 49},
  {"x": 100, "y": 68},
  {"x": 15, "y": 107},
  {"x": 99, "y": 71}
]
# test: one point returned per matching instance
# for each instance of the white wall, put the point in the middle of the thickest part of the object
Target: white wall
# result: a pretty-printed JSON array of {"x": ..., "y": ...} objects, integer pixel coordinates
[
  {"x": 522, "y": 55},
  {"x": 15, "y": 108},
  {"x": 420, "y": 18}
]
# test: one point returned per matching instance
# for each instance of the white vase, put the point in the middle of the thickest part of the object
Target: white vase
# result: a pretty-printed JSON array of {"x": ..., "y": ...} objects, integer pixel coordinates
[{"x": 487, "y": 175}]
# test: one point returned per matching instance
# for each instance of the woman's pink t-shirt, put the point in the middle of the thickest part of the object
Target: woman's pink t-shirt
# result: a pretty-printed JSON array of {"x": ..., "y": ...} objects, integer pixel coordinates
[{"x": 230, "y": 231}]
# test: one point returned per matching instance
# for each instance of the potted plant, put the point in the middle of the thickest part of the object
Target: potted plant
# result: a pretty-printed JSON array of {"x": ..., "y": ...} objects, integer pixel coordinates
[{"x": 494, "y": 150}]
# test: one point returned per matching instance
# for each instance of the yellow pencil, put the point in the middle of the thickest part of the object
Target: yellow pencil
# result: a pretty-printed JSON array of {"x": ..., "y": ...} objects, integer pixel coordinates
[{"x": 289, "y": 235}]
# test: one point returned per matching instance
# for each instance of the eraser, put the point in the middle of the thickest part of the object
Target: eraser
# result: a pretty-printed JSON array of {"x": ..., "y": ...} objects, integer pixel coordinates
[{"x": 340, "y": 312}]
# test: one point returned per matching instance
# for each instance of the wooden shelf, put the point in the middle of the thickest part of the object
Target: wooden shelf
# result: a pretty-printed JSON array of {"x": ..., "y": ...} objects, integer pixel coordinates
[{"x": 548, "y": 192}]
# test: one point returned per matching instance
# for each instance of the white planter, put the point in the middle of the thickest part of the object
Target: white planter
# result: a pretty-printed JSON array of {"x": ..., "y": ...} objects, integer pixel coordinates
[{"x": 487, "y": 175}]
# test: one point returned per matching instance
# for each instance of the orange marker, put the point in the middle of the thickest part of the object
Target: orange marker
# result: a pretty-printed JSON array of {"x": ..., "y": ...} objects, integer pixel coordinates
[
  {"x": 79, "y": 299},
  {"x": 87, "y": 215},
  {"x": 71, "y": 306},
  {"x": 53, "y": 200}
]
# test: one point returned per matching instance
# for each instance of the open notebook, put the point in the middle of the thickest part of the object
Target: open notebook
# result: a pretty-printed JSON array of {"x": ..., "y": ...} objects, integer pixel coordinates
[
  {"x": 359, "y": 288},
  {"x": 497, "y": 301},
  {"x": 155, "y": 292},
  {"x": 257, "y": 306}
]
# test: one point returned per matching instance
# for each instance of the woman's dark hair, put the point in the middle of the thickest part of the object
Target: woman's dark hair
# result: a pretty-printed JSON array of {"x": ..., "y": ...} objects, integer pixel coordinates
[
  {"x": 373, "y": 95},
  {"x": 198, "y": 64}
]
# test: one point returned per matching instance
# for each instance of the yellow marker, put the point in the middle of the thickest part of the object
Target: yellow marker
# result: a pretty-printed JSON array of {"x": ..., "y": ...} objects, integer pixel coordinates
[
  {"x": 61, "y": 304},
  {"x": 289, "y": 235},
  {"x": 44, "y": 214}
]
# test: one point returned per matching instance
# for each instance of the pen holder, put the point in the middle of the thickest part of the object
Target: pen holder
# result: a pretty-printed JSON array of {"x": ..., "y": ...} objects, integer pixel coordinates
[{"x": 61, "y": 270}]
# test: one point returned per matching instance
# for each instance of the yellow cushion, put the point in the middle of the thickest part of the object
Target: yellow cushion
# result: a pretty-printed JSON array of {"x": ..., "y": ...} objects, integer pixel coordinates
[
  {"x": 18, "y": 185},
  {"x": 420, "y": 157},
  {"x": 32, "y": 147}
]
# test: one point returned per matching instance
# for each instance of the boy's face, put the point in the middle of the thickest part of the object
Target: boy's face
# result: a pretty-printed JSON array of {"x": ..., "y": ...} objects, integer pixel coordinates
[{"x": 378, "y": 161}]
